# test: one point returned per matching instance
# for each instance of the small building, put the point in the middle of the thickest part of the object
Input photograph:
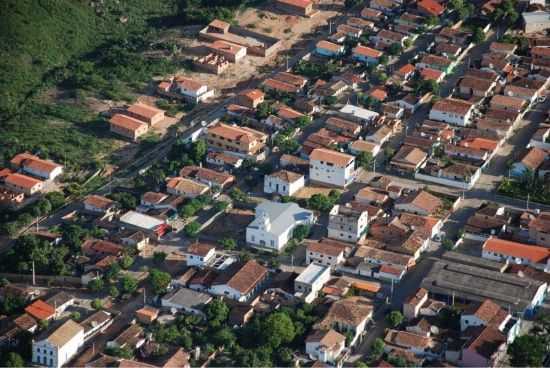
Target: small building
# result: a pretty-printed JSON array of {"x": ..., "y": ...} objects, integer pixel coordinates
[
  {"x": 430, "y": 8},
  {"x": 192, "y": 90},
  {"x": 23, "y": 184},
  {"x": 200, "y": 254},
  {"x": 40, "y": 310},
  {"x": 283, "y": 182},
  {"x": 366, "y": 54},
  {"x": 143, "y": 222},
  {"x": 532, "y": 160},
  {"x": 250, "y": 98},
  {"x": 488, "y": 313},
  {"x": 326, "y": 346},
  {"x": 274, "y": 224},
  {"x": 331, "y": 167},
  {"x": 146, "y": 113},
  {"x": 127, "y": 126},
  {"x": 98, "y": 204},
  {"x": 452, "y": 111},
  {"x": 326, "y": 253},
  {"x": 347, "y": 224},
  {"x": 56, "y": 348},
  {"x": 298, "y": 7},
  {"x": 310, "y": 281},
  {"x": 408, "y": 159},
  {"x": 535, "y": 21},
  {"x": 238, "y": 141},
  {"x": 185, "y": 187},
  {"x": 147, "y": 314},
  {"x": 419, "y": 202},
  {"x": 507, "y": 251},
  {"x": 187, "y": 301},
  {"x": 232, "y": 52},
  {"x": 329, "y": 49},
  {"x": 240, "y": 282},
  {"x": 413, "y": 304},
  {"x": 212, "y": 178},
  {"x": 34, "y": 165}
]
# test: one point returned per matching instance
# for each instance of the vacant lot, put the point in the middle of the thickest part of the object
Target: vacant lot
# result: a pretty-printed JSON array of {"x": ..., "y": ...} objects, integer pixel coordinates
[
  {"x": 310, "y": 190},
  {"x": 231, "y": 225}
]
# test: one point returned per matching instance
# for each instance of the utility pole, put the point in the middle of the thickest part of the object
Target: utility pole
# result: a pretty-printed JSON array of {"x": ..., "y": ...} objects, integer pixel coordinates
[
  {"x": 286, "y": 56},
  {"x": 33, "y": 274},
  {"x": 527, "y": 201}
]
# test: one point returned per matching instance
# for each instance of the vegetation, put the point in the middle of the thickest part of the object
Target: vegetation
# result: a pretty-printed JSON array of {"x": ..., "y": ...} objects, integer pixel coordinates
[
  {"x": 159, "y": 280},
  {"x": 506, "y": 13},
  {"x": 395, "y": 318},
  {"x": 192, "y": 229},
  {"x": 528, "y": 184},
  {"x": 314, "y": 70},
  {"x": 301, "y": 232},
  {"x": 322, "y": 203},
  {"x": 365, "y": 160},
  {"x": 529, "y": 350},
  {"x": 228, "y": 243},
  {"x": 13, "y": 360}
]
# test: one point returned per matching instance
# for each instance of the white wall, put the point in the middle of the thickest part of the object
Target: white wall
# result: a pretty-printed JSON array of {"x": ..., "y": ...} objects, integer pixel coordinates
[
  {"x": 332, "y": 175},
  {"x": 451, "y": 118},
  {"x": 273, "y": 184}
]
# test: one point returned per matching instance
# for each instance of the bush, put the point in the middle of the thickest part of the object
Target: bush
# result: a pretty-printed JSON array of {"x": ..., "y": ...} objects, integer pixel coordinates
[
  {"x": 97, "y": 304},
  {"x": 192, "y": 229}
]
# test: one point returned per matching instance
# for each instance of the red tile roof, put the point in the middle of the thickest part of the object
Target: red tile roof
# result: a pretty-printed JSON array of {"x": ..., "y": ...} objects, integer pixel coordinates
[
  {"x": 40, "y": 310},
  {"x": 432, "y": 7},
  {"x": 533, "y": 253}
]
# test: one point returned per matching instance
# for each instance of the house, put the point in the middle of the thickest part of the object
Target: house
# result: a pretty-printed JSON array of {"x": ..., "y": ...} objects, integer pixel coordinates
[
  {"x": 127, "y": 126},
  {"x": 413, "y": 304},
  {"x": 430, "y": 8},
  {"x": 250, "y": 98},
  {"x": 418, "y": 345},
  {"x": 535, "y": 21},
  {"x": 329, "y": 49},
  {"x": 366, "y": 54},
  {"x": 146, "y": 113},
  {"x": 147, "y": 314},
  {"x": 452, "y": 111},
  {"x": 298, "y": 7},
  {"x": 507, "y": 103},
  {"x": 430, "y": 74},
  {"x": 539, "y": 229},
  {"x": 405, "y": 72},
  {"x": 239, "y": 141},
  {"x": 347, "y": 224},
  {"x": 240, "y": 282},
  {"x": 40, "y": 310},
  {"x": 187, "y": 188},
  {"x": 283, "y": 182},
  {"x": 410, "y": 102},
  {"x": 506, "y": 251},
  {"x": 326, "y": 346},
  {"x": 503, "y": 47},
  {"x": 485, "y": 346},
  {"x": 358, "y": 114},
  {"x": 372, "y": 196},
  {"x": 436, "y": 62},
  {"x": 488, "y": 313},
  {"x": 331, "y": 167},
  {"x": 212, "y": 178},
  {"x": 20, "y": 183},
  {"x": 349, "y": 315},
  {"x": 271, "y": 84},
  {"x": 133, "y": 337},
  {"x": 274, "y": 224},
  {"x": 200, "y": 254},
  {"x": 187, "y": 301},
  {"x": 343, "y": 127},
  {"x": 360, "y": 145},
  {"x": 448, "y": 50},
  {"x": 329, "y": 253},
  {"x": 56, "y": 348},
  {"x": 419, "y": 202},
  {"x": 34, "y": 165},
  {"x": 476, "y": 87},
  {"x": 98, "y": 204},
  {"x": 371, "y": 14},
  {"x": 60, "y": 302},
  {"x": 385, "y": 6},
  {"x": 101, "y": 248},
  {"x": 224, "y": 160},
  {"x": 230, "y": 51},
  {"x": 191, "y": 90},
  {"x": 310, "y": 281},
  {"x": 531, "y": 162},
  {"x": 408, "y": 159},
  {"x": 385, "y": 38},
  {"x": 149, "y": 224}
]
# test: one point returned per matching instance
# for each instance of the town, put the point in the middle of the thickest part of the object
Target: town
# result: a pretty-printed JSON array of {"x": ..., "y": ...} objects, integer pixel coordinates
[{"x": 325, "y": 184}]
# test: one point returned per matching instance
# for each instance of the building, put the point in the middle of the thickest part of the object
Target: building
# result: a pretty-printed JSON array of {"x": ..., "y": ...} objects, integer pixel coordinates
[
  {"x": 283, "y": 182},
  {"x": 40, "y": 310},
  {"x": 58, "y": 347},
  {"x": 347, "y": 224},
  {"x": 408, "y": 159},
  {"x": 310, "y": 281},
  {"x": 490, "y": 314},
  {"x": 139, "y": 221},
  {"x": 536, "y": 21},
  {"x": 531, "y": 162},
  {"x": 185, "y": 187},
  {"x": 274, "y": 224},
  {"x": 192, "y": 90},
  {"x": 200, "y": 254},
  {"x": 23, "y": 184},
  {"x": 230, "y": 51},
  {"x": 250, "y": 98},
  {"x": 148, "y": 114},
  {"x": 98, "y": 204},
  {"x": 419, "y": 202},
  {"x": 485, "y": 347},
  {"x": 331, "y": 167},
  {"x": 329, "y": 253},
  {"x": 212, "y": 178},
  {"x": 127, "y": 126},
  {"x": 239, "y": 141},
  {"x": 430, "y": 8},
  {"x": 501, "y": 250},
  {"x": 539, "y": 229},
  {"x": 326, "y": 346},
  {"x": 147, "y": 314},
  {"x": 329, "y": 49},
  {"x": 416, "y": 344},
  {"x": 298, "y": 7},
  {"x": 366, "y": 54},
  {"x": 34, "y": 165},
  {"x": 187, "y": 301},
  {"x": 452, "y": 111},
  {"x": 413, "y": 304},
  {"x": 240, "y": 282}
]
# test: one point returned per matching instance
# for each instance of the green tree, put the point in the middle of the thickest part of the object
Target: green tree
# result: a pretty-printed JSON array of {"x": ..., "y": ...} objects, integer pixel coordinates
[
  {"x": 302, "y": 121},
  {"x": 228, "y": 243},
  {"x": 97, "y": 304},
  {"x": 217, "y": 312},
  {"x": 365, "y": 160},
  {"x": 395, "y": 318},
  {"x": 478, "y": 35},
  {"x": 128, "y": 284},
  {"x": 263, "y": 110},
  {"x": 527, "y": 351},
  {"x": 126, "y": 261},
  {"x": 377, "y": 349},
  {"x": 13, "y": 360},
  {"x": 113, "y": 271},
  {"x": 301, "y": 232},
  {"x": 159, "y": 257},
  {"x": 113, "y": 292},
  {"x": 221, "y": 205},
  {"x": 395, "y": 49},
  {"x": 224, "y": 337},
  {"x": 198, "y": 151},
  {"x": 278, "y": 329},
  {"x": 352, "y": 3},
  {"x": 126, "y": 200},
  {"x": 192, "y": 229},
  {"x": 159, "y": 280},
  {"x": 96, "y": 285}
]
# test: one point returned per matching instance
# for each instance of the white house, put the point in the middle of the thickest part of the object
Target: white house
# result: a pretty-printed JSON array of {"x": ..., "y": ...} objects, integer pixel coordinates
[
  {"x": 325, "y": 346},
  {"x": 192, "y": 90},
  {"x": 329, "y": 253},
  {"x": 58, "y": 347},
  {"x": 240, "y": 282},
  {"x": 274, "y": 224},
  {"x": 200, "y": 254},
  {"x": 98, "y": 204},
  {"x": 452, "y": 111},
  {"x": 347, "y": 224},
  {"x": 488, "y": 313},
  {"x": 283, "y": 182},
  {"x": 331, "y": 167},
  {"x": 34, "y": 165},
  {"x": 310, "y": 281},
  {"x": 186, "y": 300},
  {"x": 349, "y": 315},
  {"x": 501, "y": 250}
]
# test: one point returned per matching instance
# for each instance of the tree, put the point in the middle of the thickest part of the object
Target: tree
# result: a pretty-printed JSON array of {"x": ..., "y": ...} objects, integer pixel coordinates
[
  {"x": 377, "y": 349},
  {"x": 395, "y": 318},
  {"x": 478, "y": 35},
  {"x": 527, "y": 351},
  {"x": 217, "y": 312},
  {"x": 75, "y": 316},
  {"x": 285, "y": 356},
  {"x": 113, "y": 271},
  {"x": 431, "y": 21},
  {"x": 192, "y": 229},
  {"x": 278, "y": 329},
  {"x": 224, "y": 337},
  {"x": 365, "y": 160},
  {"x": 301, "y": 232},
  {"x": 159, "y": 280},
  {"x": 198, "y": 151},
  {"x": 97, "y": 304},
  {"x": 126, "y": 261},
  {"x": 96, "y": 285},
  {"x": 13, "y": 360},
  {"x": 263, "y": 110},
  {"x": 228, "y": 243},
  {"x": 395, "y": 49},
  {"x": 408, "y": 43},
  {"x": 383, "y": 59},
  {"x": 302, "y": 121},
  {"x": 159, "y": 257},
  {"x": 352, "y": 3},
  {"x": 221, "y": 205},
  {"x": 113, "y": 292},
  {"x": 128, "y": 284}
]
